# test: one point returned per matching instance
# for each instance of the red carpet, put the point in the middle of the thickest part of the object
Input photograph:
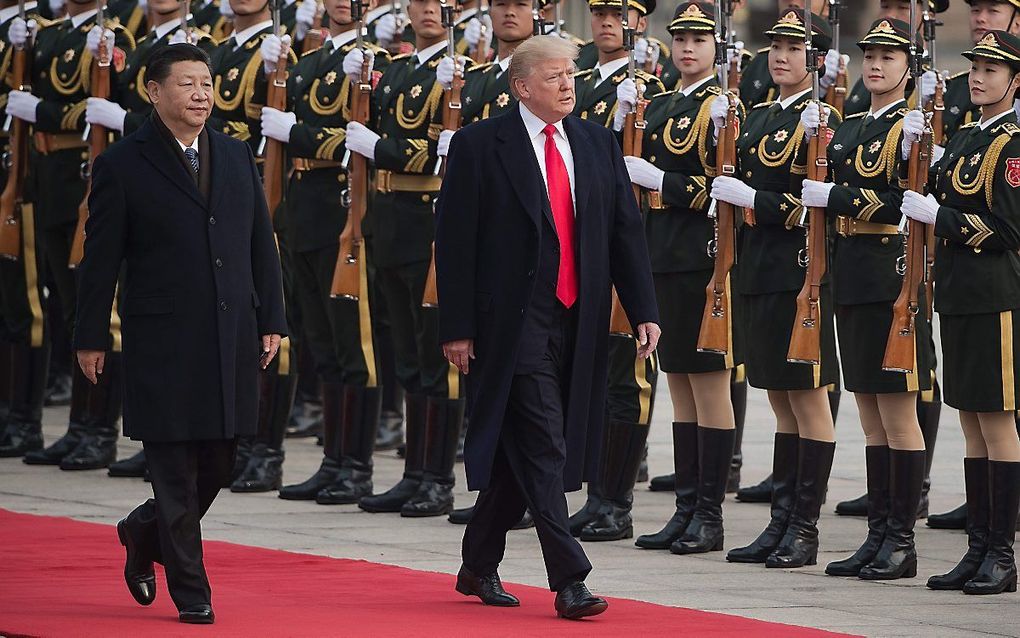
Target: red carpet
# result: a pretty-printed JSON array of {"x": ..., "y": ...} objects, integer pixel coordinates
[{"x": 60, "y": 577}]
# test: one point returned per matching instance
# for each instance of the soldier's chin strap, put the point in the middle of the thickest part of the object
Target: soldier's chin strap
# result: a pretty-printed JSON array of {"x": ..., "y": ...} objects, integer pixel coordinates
[
  {"x": 1009, "y": 88},
  {"x": 902, "y": 77}
]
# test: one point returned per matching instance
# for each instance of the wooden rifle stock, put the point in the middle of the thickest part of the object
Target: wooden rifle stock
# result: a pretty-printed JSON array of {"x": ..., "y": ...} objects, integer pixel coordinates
[
  {"x": 98, "y": 140},
  {"x": 313, "y": 38},
  {"x": 716, "y": 332},
  {"x": 273, "y": 168},
  {"x": 938, "y": 108},
  {"x": 805, "y": 340},
  {"x": 347, "y": 273},
  {"x": 900, "y": 349},
  {"x": 11, "y": 202}
]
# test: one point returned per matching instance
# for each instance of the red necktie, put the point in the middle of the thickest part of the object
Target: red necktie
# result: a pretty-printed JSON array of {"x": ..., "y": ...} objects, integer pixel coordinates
[{"x": 563, "y": 216}]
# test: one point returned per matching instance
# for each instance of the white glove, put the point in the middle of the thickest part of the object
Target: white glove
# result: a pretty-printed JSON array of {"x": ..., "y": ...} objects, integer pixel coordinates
[
  {"x": 21, "y": 104},
  {"x": 445, "y": 70},
  {"x": 305, "y": 17},
  {"x": 922, "y": 208},
  {"x": 833, "y": 60},
  {"x": 180, "y": 36},
  {"x": 816, "y": 194},
  {"x": 20, "y": 31},
  {"x": 736, "y": 53},
  {"x": 385, "y": 29},
  {"x": 473, "y": 32},
  {"x": 225, "y": 9},
  {"x": 105, "y": 113},
  {"x": 929, "y": 81},
  {"x": 56, "y": 6},
  {"x": 913, "y": 127},
  {"x": 361, "y": 140},
  {"x": 95, "y": 37},
  {"x": 626, "y": 98},
  {"x": 644, "y": 173},
  {"x": 143, "y": 5},
  {"x": 720, "y": 107},
  {"x": 733, "y": 191},
  {"x": 277, "y": 124},
  {"x": 443, "y": 147},
  {"x": 641, "y": 51},
  {"x": 811, "y": 119},
  {"x": 354, "y": 60},
  {"x": 273, "y": 48}
]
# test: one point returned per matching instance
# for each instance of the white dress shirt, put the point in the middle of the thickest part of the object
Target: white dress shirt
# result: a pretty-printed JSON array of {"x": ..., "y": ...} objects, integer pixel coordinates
[
  {"x": 426, "y": 54},
  {"x": 241, "y": 37},
  {"x": 607, "y": 70},
  {"x": 536, "y": 133},
  {"x": 697, "y": 85},
  {"x": 788, "y": 102},
  {"x": 992, "y": 120}
]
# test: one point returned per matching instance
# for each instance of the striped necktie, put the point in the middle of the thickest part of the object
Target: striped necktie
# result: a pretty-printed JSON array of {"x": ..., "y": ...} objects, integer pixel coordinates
[{"x": 192, "y": 156}]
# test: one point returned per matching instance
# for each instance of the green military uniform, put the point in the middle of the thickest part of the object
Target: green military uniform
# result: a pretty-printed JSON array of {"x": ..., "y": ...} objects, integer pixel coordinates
[
  {"x": 596, "y": 98},
  {"x": 959, "y": 109},
  {"x": 756, "y": 85},
  {"x": 128, "y": 14}
]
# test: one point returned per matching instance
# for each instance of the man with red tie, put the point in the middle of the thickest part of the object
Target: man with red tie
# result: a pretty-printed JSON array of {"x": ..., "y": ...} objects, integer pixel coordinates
[{"x": 536, "y": 219}]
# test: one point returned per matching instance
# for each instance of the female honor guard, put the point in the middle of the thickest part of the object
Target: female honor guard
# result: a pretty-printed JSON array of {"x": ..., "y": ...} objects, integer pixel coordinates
[
  {"x": 673, "y": 167},
  {"x": 768, "y": 280},
  {"x": 864, "y": 197},
  {"x": 974, "y": 209}
]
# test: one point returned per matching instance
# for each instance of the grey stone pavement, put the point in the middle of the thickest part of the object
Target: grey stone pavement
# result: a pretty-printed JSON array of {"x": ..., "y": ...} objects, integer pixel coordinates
[{"x": 804, "y": 597}]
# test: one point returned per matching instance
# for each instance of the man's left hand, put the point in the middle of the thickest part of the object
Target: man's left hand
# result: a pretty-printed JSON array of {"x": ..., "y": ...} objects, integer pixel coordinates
[
  {"x": 648, "y": 338},
  {"x": 270, "y": 346},
  {"x": 91, "y": 363}
]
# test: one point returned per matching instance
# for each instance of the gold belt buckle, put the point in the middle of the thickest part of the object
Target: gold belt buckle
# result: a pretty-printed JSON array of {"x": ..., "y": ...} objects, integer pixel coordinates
[
  {"x": 383, "y": 181},
  {"x": 843, "y": 226}
]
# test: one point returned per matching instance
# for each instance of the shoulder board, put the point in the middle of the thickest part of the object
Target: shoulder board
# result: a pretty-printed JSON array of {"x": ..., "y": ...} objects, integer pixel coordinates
[
  {"x": 762, "y": 105},
  {"x": 803, "y": 105},
  {"x": 969, "y": 125},
  {"x": 583, "y": 73},
  {"x": 709, "y": 90},
  {"x": 960, "y": 74},
  {"x": 900, "y": 112},
  {"x": 587, "y": 42},
  {"x": 1009, "y": 128},
  {"x": 402, "y": 56},
  {"x": 307, "y": 53},
  {"x": 764, "y": 50},
  {"x": 41, "y": 21},
  {"x": 575, "y": 40},
  {"x": 484, "y": 66},
  {"x": 199, "y": 34},
  {"x": 856, "y": 116},
  {"x": 647, "y": 77},
  {"x": 663, "y": 94},
  {"x": 117, "y": 28}
]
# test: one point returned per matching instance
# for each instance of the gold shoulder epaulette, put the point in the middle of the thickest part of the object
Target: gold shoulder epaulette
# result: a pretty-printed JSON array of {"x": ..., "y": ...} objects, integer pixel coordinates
[
  {"x": 583, "y": 73},
  {"x": 969, "y": 125},
  {"x": 764, "y": 50},
  {"x": 898, "y": 112},
  {"x": 960, "y": 74},
  {"x": 712, "y": 89},
  {"x": 647, "y": 77},
  {"x": 762, "y": 105},
  {"x": 855, "y": 116},
  {"x": 1009, "y": 128},
  {"x": 484, "y": 66},
  {"x": 663, "y": 94},
  {"x": 306, "y": 53},
  {"x": 402, "y": 56}
]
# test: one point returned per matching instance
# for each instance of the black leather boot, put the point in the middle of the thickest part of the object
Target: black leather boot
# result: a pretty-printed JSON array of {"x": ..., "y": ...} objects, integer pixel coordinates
[
  {"x": 738, "y": 395},
  {"x": 394, "y": 498},
  {"x": 997, "y": 573},
  {"x": 877, "y": 460},
  {"x": 642, "y": 468},
  {"x": 897, "y": 557},
  {"x": 928, "y": 416},
  {"x": 391, "y": 430},
  {"x": 442, "y": 431},
  {"x": 955, "y": 518},
  {"x": 5, "y": 388},
  {"x": 784, "y": 488},
  {"x": 132, "y": 467},
  {"x": 976, "y": 477},
  {"x": 264, "y": 472},
  {"x": 705, "y": 531},
  {"x": 685, "y": 464},
  {"x": 59, "y": 391},
  {"x": 305, "y": 418},
  {"x": 590, "y": 510},
  {"x": 24, "y": 418},
  {"x": 329, "y": 469},
  {"x": 361, "y": 417},
  {"x": 799, "y": 546},
  {"x": 76, "y": 426},
  {"x": 759, "y": 493},
  {"x": 98, "y": 448},
  {"x": 624, "y": 447}
]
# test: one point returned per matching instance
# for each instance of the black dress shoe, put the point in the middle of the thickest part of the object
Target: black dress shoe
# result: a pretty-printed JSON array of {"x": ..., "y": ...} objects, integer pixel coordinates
[
  {"x": 54, "y": 453},
  {"x": 527, "y": 521},
  {"x": 138, "y": 572},
  {"x": 133, "y": 467},
  {"x": 575, "y": 601},
  {"x": 954, "y": 519},
  {"x": 760, "y": 493},
  {"x": 328, "y": 472},
  {"x": 488, "y": 588},
  {"x": 663, "y": 483},
  {"x": 461, "y": 516},
  {"x": 22, "y": 438},
  {"x": 197, "y": 615},
  {"x": 854, "y": 507}
]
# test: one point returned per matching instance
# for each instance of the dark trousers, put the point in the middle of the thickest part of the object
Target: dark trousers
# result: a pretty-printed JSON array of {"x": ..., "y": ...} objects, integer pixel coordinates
[
  {"x": 55, "y": 245},
  {"x": 527, "y": 473},
  {"x": 186, "y": 477}
]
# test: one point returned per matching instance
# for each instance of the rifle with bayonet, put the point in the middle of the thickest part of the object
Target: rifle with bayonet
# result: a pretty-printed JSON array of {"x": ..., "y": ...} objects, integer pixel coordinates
[
  {"x": 313, "y": 37},
  {"x": 716, "y": 334},
  {"x": 272, "y": 151},
  {"x": 937, "y": 108},
  {"x": 97, "y": 136},
  {"x": 481, "y": 52},
  {"x": 189, "y": 34},
  {"x": 398, "y": 20},
  {"x": 350, "y": 268},
  {"x": 537, "y": 18},
  {"x": 901, "y": 346},
  {"x": 836, "y": 94},
  {"x": 806, "y": 340},
  {"x": 13, "y": 207}
]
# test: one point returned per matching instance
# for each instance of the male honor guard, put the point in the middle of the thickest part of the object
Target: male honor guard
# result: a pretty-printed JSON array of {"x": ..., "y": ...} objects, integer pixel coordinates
[
  {"x": 129, "y": 14},
  {"x": 60, "y": 83}
]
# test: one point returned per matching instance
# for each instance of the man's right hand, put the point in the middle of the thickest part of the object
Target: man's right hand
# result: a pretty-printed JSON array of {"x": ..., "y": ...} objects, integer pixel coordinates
[
  {"x": 91, "y": 363},
  {"x": 460, "y": 353}
]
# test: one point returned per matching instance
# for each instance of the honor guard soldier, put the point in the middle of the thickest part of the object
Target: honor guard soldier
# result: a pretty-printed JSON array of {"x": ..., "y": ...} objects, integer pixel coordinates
[
  {"x": 337, "y": 330},
  {"x": 24, "y": 342},
  {"x": 60, "y": 81},
  {"x": 130, "y": 15},
  {"x": 973, "y": 206},
  {"x": 205, "y": 15}
]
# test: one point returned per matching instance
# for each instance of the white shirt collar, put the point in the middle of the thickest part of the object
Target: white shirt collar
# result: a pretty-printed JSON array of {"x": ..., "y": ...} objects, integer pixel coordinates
[
  {"x": 986, "y": 123},
  {"x": 788, "y": 102},
  {"x": 609, "y": 68},
  {"x": 81, "y": 18},
  {"x": 241, "y": 37},
  {"x": 504, "y": 63},
  {"x": 885, "y": 109},
  {"x": 194, "y": 145},
  {"x": 426, "y": 54},
  {"x": 467, "y": 14},
  {"x": 9, "y": 12},
  {"x": 697, "y": 85},
  {"x": 343, "y": 38},
  {"x": 162, "y": 29},
  {"x": 536, "y": 125}
]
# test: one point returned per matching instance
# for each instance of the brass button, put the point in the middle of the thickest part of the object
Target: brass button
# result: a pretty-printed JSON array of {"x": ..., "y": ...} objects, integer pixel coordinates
[
  {"x": 753, "y": 151},
  {"x": 299, "y": 176},
  {"x": 652, "y": 159},
  {"x": 848, "y": 162},
  {"x": 425, "y": 198},
  {"x": 305, "y": 97},
  {"x": 885, "y": 240},
  {"x": 391, "y": 111},
  {"x": 226, "y": 93},
  {"x": 655, "y": 136},
  {"x": 748, "y": 173}
]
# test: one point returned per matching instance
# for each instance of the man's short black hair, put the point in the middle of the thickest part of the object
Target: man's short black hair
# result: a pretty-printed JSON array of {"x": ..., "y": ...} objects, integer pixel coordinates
[{"x": 165, "y": 57}]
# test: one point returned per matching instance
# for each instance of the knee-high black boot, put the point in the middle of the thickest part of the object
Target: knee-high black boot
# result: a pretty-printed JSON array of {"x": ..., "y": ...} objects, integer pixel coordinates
[
  {"x": 434, "y": 496},
  {"x": 897, "y": 557},
  {"x": 799, "y": 546},
  {"x": 98, "y": 448},
  {"x": 329, "y": 469},
  {"x": 738, "y": 395},
  {"x": 997, "y": 572},
  {"x": 28, "y": 385},
  {"x": 877, "y": 461},
  {"x": 593, "y": 503},
  {"x": 394, "y": 498},
  {"x": 361, "y": 418},
  {"x": 784, "y": 489},
  {"x": 976, "y": 477},
  {"x": 705, "y": 531},
  {"x": 264, "y": 472},
  {"x": 625, "y": 445},
  {"x": 685, "y": 465},
  {"x": 5, "y": 387},
  {"x": 928, "y": 415},
  {"x": 76, "y": 425}
]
